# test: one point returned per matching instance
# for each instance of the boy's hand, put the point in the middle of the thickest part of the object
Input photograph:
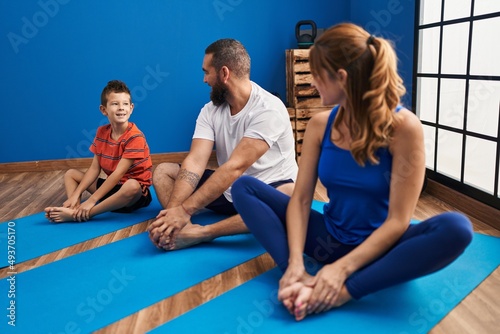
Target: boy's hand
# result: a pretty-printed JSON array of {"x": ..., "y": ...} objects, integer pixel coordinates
[
  {"x": 72, "y": 202},
  {"x": 83, "y": 212}
]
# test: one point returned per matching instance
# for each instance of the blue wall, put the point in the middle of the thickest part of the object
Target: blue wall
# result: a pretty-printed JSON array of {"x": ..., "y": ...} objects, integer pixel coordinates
[
  {"x": 395, "y": 20},
  {"x": 57, "y": 55}
]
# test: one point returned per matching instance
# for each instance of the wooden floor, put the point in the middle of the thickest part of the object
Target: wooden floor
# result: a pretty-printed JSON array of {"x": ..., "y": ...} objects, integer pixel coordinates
[{"x": 23, "y": 194}]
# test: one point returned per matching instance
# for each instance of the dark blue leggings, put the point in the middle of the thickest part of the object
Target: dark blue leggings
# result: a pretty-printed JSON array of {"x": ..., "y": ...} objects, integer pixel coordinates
[{"x": 423, "y": 249}]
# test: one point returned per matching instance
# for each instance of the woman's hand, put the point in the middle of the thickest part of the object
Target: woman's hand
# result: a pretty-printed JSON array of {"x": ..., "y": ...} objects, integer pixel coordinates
[
  {"x": 328, "y": 289},
  {"x": 293, "y": 274}
]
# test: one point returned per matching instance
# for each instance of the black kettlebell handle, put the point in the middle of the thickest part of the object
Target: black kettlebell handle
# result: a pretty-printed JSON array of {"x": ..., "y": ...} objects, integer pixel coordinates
[{"x": 305, "y": 22}]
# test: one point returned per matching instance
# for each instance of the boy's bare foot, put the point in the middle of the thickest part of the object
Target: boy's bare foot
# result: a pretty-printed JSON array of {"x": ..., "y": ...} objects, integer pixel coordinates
[
  {"x": 59, "y": 214},
  {"x": 47, "y": 211},
  {"x": 190, "y": 235}
]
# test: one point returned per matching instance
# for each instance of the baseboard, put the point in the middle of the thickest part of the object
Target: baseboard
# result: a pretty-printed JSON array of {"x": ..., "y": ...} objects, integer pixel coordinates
[
  {"x": 81, "y": 163},
  {"x": 483, "y": 212}
]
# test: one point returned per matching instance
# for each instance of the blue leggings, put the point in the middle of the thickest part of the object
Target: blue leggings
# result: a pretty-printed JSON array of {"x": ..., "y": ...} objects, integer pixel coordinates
[{"x": 423, "y": 249}]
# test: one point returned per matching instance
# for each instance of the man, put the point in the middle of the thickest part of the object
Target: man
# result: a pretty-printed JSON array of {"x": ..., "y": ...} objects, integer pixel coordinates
[{"x": 252, "y": 134}]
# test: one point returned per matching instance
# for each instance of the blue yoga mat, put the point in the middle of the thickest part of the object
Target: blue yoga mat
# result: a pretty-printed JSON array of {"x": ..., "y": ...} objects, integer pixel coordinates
[
  {"x": 413, "y": 307},
  {"x": 33, "y": 236},
  {"x": 90, "y": 290}
]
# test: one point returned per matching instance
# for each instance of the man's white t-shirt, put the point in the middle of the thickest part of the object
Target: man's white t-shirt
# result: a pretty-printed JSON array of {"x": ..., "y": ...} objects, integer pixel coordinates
[{"x": 264, "y": 117}]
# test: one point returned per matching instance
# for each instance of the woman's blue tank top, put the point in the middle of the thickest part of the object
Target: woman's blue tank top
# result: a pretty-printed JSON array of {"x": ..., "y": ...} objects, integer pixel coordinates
[{"x": 359, "y": 196}]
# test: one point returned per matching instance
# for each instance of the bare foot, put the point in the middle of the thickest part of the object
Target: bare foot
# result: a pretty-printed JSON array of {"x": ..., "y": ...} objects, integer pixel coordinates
[
  {"x": 296, "y": 297},
  {"x": 59, "y": 214},
  {"x": 298, "y": 293},
  {"x": 47, "y": 212},
  {"x": 344, "y": 297},
  {"x": 190, "y": 235}
]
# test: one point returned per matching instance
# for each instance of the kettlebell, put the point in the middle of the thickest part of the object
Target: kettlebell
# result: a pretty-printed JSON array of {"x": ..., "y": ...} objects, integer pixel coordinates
[{"x": 305, "y": 41}]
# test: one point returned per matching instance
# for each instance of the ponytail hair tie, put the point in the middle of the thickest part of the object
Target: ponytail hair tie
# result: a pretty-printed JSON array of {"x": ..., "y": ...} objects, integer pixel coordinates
[{"x": 370, "y": 40}]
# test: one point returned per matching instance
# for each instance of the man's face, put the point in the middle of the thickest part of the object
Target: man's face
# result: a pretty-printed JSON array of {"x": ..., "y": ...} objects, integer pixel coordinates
[{"x": 212, "y": 78}]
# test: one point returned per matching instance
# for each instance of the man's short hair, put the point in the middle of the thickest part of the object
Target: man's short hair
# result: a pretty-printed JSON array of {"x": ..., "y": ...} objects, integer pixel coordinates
[{"x": 231, "y": 53}]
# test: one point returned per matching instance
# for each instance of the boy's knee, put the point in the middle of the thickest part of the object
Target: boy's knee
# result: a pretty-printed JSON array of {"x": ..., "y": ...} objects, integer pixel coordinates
[
  {"x": 131, "y": 188},
  {"x": 71, "y": 174}
]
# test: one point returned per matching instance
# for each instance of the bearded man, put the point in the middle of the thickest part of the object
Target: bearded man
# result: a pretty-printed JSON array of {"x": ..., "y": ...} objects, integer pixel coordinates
[{"x": 251, "y": 131}]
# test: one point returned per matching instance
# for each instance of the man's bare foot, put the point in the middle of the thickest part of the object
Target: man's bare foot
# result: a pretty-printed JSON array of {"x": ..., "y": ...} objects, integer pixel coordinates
[
  {"x": 190, "y": 235},
  {"x": 59, "y": 214}
]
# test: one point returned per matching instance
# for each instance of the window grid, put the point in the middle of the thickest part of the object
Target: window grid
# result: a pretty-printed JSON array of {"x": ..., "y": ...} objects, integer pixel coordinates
[{"x": 460, "y": 185}]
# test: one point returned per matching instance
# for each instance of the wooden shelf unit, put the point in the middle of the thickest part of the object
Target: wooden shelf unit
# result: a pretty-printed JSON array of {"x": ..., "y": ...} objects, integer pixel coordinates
[{"x": 303, "y": 100}]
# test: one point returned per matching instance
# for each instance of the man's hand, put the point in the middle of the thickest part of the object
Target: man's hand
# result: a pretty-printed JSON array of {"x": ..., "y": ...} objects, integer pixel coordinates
[{"x": 165, "y": 228}]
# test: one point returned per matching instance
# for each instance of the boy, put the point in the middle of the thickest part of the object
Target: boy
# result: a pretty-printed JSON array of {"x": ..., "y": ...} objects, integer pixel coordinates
[{"x": 121, "y": 151}]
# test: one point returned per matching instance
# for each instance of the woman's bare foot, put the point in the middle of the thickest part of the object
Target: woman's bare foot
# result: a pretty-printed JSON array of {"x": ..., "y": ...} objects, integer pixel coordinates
[
  {"x": 295, "y": 298},
  {"x": 59, "y": 214}
]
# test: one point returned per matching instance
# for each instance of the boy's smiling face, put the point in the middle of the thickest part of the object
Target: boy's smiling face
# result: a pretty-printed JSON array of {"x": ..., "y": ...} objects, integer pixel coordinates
[{"x": 118, "y": 108}]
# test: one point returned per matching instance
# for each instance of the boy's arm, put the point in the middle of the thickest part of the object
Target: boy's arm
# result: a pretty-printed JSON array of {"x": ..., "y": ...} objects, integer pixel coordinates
[
  {"x": 83, "y": 212},
  {"x": 88, "y": 178},
  {"x": 112, "y": 180}
]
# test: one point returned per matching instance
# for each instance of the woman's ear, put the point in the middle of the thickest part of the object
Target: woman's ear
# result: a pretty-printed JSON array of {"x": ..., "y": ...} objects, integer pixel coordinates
[{"x": 342, "y": 75}]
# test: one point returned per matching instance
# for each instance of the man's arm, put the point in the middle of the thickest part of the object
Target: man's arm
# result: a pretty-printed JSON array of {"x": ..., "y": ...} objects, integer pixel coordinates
[
  {"x": 192, "y": 169},
  {"x": 176, "y": 217},
  {"x": 171, "y": 220},
  {"x": 248, "y": 151}
]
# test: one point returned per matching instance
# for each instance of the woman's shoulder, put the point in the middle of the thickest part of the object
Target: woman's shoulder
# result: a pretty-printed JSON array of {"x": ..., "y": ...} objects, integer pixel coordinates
[
  {"x": 316, "y": 126},
  {"x": 408, "y": 126},
  {"x": 321, "y": 117},
  {"x": 408, "y": 120},
  {"x": 319, "y": 120}
]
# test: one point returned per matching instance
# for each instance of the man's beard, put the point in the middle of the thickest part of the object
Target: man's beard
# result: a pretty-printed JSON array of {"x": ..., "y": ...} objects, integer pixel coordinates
[{"x": 218, "y": 93}]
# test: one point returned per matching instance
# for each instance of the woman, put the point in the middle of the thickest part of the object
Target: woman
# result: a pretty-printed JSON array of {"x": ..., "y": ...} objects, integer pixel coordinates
[{"x": 369, "y": 154}]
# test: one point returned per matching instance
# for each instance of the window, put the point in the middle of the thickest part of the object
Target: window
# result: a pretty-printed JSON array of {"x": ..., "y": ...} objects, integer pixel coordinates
[{"x": 457, "y": 93}]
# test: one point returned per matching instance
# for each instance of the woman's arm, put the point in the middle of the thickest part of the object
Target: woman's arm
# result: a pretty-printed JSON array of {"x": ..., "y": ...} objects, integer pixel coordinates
[
  {"x": 299, "y": 206},
  {"x": 407, "y": 175}
]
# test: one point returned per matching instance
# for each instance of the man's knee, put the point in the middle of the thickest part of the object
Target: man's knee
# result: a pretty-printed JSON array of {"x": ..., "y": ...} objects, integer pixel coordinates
[
  {"x": 165, "y": 171},
  {"x": 286, "y": 188}
]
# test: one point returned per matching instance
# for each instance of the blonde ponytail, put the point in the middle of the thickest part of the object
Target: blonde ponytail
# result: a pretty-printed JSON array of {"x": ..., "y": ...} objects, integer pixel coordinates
[{"x": 373, "y": 86}]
